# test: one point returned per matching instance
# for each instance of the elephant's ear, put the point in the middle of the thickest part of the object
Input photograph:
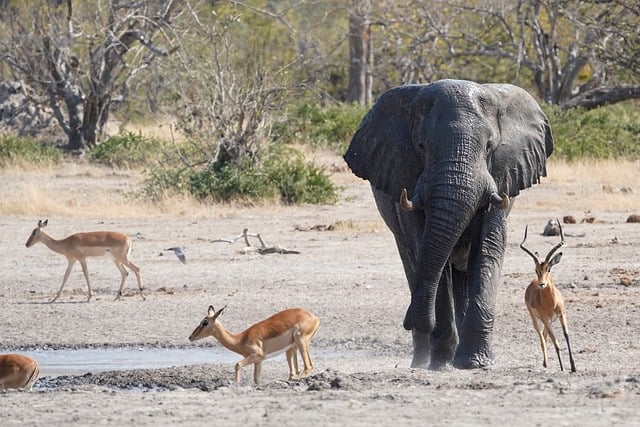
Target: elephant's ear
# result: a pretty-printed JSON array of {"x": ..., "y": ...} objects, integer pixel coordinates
[
  {"x": 381, "y": 150},
  {"x": 524, "y": 142}
]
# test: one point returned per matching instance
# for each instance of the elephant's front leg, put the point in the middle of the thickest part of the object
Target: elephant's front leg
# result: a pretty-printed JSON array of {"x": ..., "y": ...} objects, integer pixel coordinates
[
  {"x": 444, "y": 337},
  {"x": 435, "y": 351},
  {"x": 485, "y": 263}
]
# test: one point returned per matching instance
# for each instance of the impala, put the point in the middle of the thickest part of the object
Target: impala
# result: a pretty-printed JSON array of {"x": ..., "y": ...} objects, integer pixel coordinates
[
  {"x": 80, "y": 246},
  {"x": 17, "y": 371},
  {"x": 288, "y": 331},
  {"x": 544, "y": 301}
]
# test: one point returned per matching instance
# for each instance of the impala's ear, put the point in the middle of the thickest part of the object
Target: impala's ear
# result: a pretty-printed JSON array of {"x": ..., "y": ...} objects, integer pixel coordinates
[
  {"x": 42, "y": 224},
  {"x": 211, "y": 311},
  {"x": 219, "y": 312},
  {"x": 555, "y": 259}
]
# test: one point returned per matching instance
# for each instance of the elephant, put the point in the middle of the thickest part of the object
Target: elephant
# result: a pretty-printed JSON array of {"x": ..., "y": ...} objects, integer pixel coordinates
[{"x": 462, "y": 151}]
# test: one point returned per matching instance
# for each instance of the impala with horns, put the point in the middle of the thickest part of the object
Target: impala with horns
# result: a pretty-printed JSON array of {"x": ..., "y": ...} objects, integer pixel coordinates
[
  {"x": 17, "y": 371},
  {"x": 544, "y": 301},
  {"x": 80, "y": 246},
  {"x": 288, "y": 331}
]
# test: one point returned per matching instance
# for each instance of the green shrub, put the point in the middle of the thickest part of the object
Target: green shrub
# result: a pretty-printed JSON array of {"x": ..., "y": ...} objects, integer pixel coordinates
[
  {"x": 330, "y": 127},
  {"x": 128, "y": 149},
  {"x": 24, "y": 151},
  {"x": 229, "y": 182},
  {"x": 298, "y": 181},
  {"x": 162, "y": 182},
  {"x": 280, "y": 174},
  {"x": 609, "y": 132}
]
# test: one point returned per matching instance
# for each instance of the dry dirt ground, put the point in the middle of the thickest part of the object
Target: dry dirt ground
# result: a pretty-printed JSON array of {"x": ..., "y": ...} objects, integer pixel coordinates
[{"x": 348, "y": 275}]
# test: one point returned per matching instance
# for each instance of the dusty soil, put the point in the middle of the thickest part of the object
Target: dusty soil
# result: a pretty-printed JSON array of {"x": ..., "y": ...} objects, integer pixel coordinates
[{"x": 349, "y": 275}]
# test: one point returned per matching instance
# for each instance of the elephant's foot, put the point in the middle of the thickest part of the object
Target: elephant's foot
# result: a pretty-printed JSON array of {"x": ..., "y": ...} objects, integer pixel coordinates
[
  {"x": 442, "y": 360},
  {"x": 474, "y": 360},
  {"x": 441, "y": 365},
  {"x": 421, "y": 350},
  {"x": 419, "y": 362}
]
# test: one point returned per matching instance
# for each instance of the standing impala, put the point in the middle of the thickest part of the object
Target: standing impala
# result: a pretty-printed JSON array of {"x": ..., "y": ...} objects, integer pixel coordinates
[
  {"x": 17, "y": 371},
  {"x": 544, "y": 301},
  {"x": 80, "y": 246},
  {"x": 288, "y": 331}
]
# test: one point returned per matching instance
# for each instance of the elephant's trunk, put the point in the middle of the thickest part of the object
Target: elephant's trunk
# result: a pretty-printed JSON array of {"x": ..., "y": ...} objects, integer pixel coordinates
[{"x": 454, "y": 196}]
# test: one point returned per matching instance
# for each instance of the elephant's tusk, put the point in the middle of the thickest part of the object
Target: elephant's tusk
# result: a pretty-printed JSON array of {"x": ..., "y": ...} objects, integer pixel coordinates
[
  {"x": 407, "y": 205},
  {"x": 499, "y": 202}
]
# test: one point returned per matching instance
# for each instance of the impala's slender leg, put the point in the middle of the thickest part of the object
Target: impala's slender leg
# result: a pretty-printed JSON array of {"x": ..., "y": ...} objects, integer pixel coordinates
[
  {"x": 252, "y": 358},
  {"x": 303, "y": 345},
  {"x": 565, "y": 330},
  {"x": 124, "y": 273},
  {"x": 292, "y": 361},
  {"x": 64, "y": 279},
  {"x": 543, "y": 340},
  {"x": 257, "y": 369},
  {"x": 136, "y": 271},
  {"x": 85, "y": 271},
  {"x": 554, "y": 341}
]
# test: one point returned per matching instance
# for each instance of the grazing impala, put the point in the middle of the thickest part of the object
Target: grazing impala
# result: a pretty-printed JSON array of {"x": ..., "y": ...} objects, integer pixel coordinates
[
  {"x": 288, "y": 331},
  {"x": 544, "y": 301},
  {"x": 17, "y": 371},
  {"x": 80, "y": 246}
]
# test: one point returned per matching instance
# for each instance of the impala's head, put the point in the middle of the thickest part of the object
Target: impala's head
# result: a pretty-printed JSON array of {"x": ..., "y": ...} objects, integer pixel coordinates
[
  {"x": 206, "y": 327},
  {"x": 543, "y": 268},
  {"x": 36, "y": 233}
]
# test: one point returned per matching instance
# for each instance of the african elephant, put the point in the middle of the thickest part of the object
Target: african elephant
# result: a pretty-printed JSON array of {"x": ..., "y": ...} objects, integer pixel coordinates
[{"x": 463, "y": 151}]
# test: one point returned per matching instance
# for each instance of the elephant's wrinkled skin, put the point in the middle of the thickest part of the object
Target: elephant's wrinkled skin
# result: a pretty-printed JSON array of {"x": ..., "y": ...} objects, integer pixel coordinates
[{"x": 459, "y": 148}]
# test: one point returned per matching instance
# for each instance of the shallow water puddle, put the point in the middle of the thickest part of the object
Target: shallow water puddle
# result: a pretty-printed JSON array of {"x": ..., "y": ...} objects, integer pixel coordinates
[
  {"x": 81, "y": 361},
  {"x": 55, "y": 363}
]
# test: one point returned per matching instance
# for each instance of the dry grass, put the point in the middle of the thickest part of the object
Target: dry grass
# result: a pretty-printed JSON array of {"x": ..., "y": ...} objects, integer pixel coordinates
[
  {"x": 620, "y": 173},
  {"x": 602, "y": 185},
  {"x": 79, "y": 189}
]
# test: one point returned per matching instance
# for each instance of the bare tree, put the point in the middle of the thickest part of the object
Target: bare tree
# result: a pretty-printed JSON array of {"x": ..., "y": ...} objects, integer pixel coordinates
[
  {"x": 224, "y": 98},
  {"x": 579, "y": 53},
  {"x": 79, "y": 59},
  {"x": 360, "y": 53}
]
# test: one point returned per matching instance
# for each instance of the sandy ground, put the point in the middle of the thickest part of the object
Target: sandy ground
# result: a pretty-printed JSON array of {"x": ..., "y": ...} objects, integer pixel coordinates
[{"x": 349, "y": 276}]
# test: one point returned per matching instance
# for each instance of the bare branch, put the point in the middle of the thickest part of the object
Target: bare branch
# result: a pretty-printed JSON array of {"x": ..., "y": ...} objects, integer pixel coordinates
[{"x": 263, "y": 249}]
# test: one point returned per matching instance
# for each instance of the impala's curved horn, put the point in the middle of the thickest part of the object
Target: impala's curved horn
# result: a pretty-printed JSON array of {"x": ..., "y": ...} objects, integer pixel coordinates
[
  {"x": 558, "y": 246},
  {"x": 535, "y": 258}
]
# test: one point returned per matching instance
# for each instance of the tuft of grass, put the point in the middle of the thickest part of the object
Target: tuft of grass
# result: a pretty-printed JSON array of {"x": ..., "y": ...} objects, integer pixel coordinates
[{"x": 25, "y": 152}]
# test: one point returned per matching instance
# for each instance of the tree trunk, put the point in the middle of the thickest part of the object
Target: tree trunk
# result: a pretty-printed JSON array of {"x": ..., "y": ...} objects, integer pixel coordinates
[
  {"x": 360, "y": 53},
  {"x": 603, "y": 96}
]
